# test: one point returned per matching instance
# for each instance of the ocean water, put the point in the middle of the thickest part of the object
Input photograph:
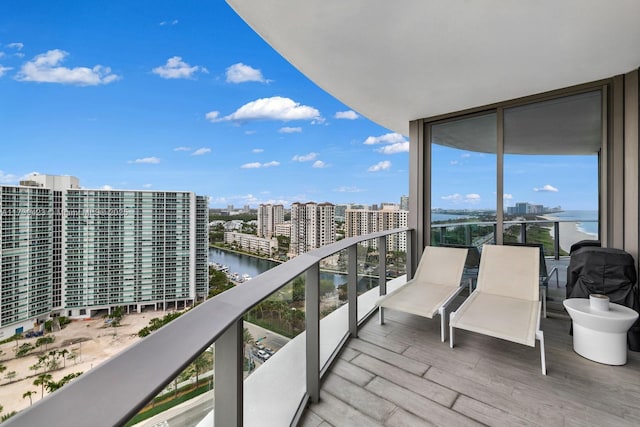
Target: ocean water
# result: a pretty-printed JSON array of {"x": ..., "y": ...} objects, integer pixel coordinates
[{"x": 590, "y": 227}]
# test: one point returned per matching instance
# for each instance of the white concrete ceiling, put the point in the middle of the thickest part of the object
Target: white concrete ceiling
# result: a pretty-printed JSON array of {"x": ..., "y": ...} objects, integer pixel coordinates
[{"x": 401, "y": 60}]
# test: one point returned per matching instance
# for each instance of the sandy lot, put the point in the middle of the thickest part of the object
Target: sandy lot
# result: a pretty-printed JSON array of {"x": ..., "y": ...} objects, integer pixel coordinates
[{"x": 90, "y": 339}]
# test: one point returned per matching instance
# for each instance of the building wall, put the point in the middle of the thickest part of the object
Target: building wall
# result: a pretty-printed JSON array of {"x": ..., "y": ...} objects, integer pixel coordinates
[
  {"x": 363, "y": 221},
  {"x": 26, "y": 255},
  {"x": 312, "y": 226},
  {"x": 71, "y": 251},
  {"x": 269, "y": 216},
  {"x": 251, "y": 243}
]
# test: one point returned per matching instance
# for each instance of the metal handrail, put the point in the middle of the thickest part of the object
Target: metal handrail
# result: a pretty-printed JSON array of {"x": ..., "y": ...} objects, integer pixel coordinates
[
  {"x": 523, "y": 230},
  {"x": 119, "y": 388}
]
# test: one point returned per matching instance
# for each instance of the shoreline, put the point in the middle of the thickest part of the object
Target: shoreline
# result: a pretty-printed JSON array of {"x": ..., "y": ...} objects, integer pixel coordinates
[{"x": 569, "y": 232}]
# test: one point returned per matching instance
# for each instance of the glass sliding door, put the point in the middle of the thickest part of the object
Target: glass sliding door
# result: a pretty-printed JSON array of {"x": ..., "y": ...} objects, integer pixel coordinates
[
  {"x": 463, "y": 180},
  {"x": 551, "y": 151}
]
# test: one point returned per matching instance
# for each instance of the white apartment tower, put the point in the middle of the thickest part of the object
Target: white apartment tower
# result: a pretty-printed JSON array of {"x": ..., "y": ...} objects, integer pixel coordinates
[
  {"x": 312, "y": 226},
  {"x": 269, "y": 216},
  {"x": 359, "y": 222},
  {"x": 71, "y": 251}
]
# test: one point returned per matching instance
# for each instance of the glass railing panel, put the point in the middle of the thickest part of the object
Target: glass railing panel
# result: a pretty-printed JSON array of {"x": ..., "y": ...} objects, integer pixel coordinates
[
  {"x": 271, "y": 324},
  {"x": 367, "y": 265},
  {"x": 185, "y": 401},
  {"x": 333, "y": 283}
]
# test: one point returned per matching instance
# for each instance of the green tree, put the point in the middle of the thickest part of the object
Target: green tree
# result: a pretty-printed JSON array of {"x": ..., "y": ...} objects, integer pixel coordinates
[
  {"x": 42, "y": 381},
  {"x": 29, "y": 394},
  {"x": 52, "y": 386},
  {"x": 2, "y": 368},
  {"x": 24, "y": 349},
  {"x": 45, "y": 341},
  {"x": 10, "y": 375},
  {"x": 63, "y": 353}
]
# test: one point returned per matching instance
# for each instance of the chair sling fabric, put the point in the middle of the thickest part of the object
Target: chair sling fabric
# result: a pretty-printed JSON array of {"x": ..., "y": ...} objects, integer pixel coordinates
[
  {"x": 435, "y": 284},
  {"x": 506, "y": 302}
]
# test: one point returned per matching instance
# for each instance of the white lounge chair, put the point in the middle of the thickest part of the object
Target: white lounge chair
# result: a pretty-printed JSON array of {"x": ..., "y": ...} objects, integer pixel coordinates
[
  {"x": 435, "y": 284},
  {"x": 506, "y": 301}
]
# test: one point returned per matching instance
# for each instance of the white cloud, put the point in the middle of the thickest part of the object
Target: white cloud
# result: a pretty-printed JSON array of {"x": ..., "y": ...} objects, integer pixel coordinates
[
  {"x": 465, "y": 155},
  {"x": 241, "y": 73},
  {"x": 305, "y": 158},
  {"x": 3, "y": 70},
  {"x": 201, "y": 151},
  {"x": 250, "y": 132},
  {"x": 257, "y": 165},
  {"x": 16, "y": 46},
  {"x": 8, "y": 178},
  {"x": 389, "y": 138},
  {"x": 182, "y": 149},
  {"x": 452, "y": 197},
  {"x": 45, "y": 68},
  {"x": 380, "y": 166},
  {"x": 454, "y": 162},
  {"x": 347, "y": 115},
  {"x": 319, "y": 164},
  {"x": 147, "y": 160},
  {"x": 2, "y": 54},
  {"x": 398, "y": 147},
  {"x": 257, "y": 150},
  {"x": 106, "y": 187},
  {"x": 147, "y": 185},
  {"x": 254, "y": 165},
  {"x": 163, "y": 23},
  {"x": 507, "y": 196},
  {"x": 471, "y": 198},
  {"x": 347, "y": 189},
  {"x": 274, "y": 108},
  {"x": 287, "y": 129},
  {"x": 176, "y": 68},
  {"x": 212, "y": 116},
  {"x": 548, "y": 188}
]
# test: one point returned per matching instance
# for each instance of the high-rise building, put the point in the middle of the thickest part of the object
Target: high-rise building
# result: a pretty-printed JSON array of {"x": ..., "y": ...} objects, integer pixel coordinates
[
  {"x": 404, "y": 203},
  {"x": 268, "y": 217},
  {"x": 312, "y": 226},
  {"x": 71, "y": 251},
  {"x": 359, "y": 222}
]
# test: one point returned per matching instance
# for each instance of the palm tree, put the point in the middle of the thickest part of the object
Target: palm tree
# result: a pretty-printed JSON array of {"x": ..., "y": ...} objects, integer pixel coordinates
[
  {"x": 29, "y": 394},
  {"x": 63, "y": 353},
  {"x": 42, "y": 380},
  {"x": 2, "y": 368}
]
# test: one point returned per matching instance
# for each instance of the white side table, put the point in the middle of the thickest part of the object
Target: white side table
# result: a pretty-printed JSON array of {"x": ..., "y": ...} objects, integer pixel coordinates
[{"x": 598, "y": 335}]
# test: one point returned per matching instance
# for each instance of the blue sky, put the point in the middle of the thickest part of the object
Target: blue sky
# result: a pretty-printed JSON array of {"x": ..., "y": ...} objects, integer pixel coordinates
[
  {"x": 179, "y": 96},
  {"x": 184, "y": 95}
]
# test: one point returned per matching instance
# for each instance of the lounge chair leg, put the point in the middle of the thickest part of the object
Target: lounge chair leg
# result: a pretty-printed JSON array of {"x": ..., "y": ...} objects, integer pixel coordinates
[
  {"x": 443, "y": 324},
  {"x": 544, "y": 302},
  {"x": 451, "y": 335},
  {"x": 470, "y": 285},
  {"x": 543, "y": 363},
  {"x": 381, "y": 315}
]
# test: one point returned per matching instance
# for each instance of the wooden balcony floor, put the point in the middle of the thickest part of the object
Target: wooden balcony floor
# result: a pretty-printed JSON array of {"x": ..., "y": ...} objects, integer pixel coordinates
[{"x": 400, "y": 374}]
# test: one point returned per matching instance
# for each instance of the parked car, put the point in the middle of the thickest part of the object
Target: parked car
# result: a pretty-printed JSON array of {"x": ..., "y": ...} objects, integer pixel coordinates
[{"x": 263, "y": 355}]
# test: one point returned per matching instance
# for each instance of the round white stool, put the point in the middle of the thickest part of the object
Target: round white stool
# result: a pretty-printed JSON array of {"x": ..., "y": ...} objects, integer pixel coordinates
[{"x": 600, "y": 335}]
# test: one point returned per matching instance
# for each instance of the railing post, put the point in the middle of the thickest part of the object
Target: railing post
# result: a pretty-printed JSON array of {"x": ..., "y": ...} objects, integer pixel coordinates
[
  {"x": 382, "y": 265},
  {"x": 443, "y": 233},
  {"x": 312, "y": 313},
  {"x": 467, "y": 234},
  {"x": 556, "y": 242},
  {"x": 523, "y": 232},
  {"x": 228, "y": 377},
  {"x": 495, "y": 234},
  {"x": 410, "y": 266},
  {"x": 352, "y": 289}
]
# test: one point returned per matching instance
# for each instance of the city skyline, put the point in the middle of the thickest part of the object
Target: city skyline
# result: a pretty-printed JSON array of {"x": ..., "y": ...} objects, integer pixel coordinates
[{"x": 198, "y": 102}]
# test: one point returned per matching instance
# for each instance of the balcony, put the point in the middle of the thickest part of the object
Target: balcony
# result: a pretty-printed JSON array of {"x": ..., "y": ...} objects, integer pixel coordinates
[{"x": 345, "y": 368}]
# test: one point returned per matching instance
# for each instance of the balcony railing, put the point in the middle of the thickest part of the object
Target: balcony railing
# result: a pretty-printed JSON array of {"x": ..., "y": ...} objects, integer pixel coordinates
[
  {"x": 112, "y": 393},
  {"x": 440, "y": 235}
]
